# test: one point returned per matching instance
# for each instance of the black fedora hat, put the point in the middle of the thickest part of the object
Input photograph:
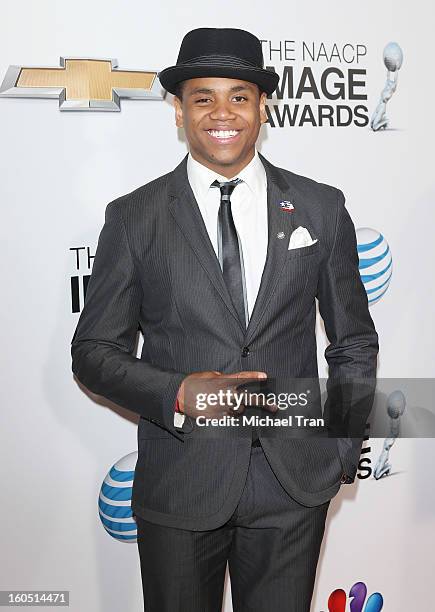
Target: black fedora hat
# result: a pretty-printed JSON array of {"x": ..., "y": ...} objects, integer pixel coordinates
[{"x": 220, "y": 52}]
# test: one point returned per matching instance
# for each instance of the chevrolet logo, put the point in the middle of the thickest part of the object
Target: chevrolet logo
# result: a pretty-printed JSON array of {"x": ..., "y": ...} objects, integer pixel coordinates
[{"x": 82, "y": 84}]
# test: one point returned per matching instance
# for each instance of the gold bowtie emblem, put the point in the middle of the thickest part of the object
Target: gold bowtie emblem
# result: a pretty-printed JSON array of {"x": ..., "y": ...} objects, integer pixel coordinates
[{"x": 82, "y": 84}]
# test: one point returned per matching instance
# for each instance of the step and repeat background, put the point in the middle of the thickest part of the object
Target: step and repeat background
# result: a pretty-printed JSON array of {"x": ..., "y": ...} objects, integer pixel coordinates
[{"x": 353, "y": 109}]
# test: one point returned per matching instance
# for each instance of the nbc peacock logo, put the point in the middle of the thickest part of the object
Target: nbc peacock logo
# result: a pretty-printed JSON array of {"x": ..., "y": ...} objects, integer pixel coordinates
[{"x": 357, "y": 602}]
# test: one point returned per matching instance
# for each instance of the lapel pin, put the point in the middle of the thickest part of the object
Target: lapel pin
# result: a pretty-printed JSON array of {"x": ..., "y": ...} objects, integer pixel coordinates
[
  {"x": 280, "y": 235},
  {"x": 286, "y": 206}
]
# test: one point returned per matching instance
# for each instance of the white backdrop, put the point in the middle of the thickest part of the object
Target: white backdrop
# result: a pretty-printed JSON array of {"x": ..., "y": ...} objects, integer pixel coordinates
[{"x": 59, "y": 171}]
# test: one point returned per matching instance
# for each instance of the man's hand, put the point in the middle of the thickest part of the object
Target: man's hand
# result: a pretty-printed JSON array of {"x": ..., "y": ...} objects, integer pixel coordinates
[{"x": 210, "y": 382}]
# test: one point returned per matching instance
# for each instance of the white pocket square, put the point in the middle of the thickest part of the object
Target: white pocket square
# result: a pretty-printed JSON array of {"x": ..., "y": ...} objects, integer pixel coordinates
[{"x": 300, "y": 238}]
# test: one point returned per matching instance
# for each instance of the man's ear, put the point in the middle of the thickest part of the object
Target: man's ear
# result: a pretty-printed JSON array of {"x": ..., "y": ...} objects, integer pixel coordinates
[
  {"x": 262, "y": 102},
  {"x": 178, "y": 112}
]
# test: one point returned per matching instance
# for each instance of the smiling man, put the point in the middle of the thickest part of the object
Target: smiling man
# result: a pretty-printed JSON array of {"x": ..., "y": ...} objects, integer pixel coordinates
[
  {"x": 221, "y": 118},
  {"x": 219, "y": 263}
]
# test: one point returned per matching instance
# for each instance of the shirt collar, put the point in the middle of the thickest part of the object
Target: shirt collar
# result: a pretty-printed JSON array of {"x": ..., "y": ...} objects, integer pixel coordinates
[{"x": 200, "y": 177}]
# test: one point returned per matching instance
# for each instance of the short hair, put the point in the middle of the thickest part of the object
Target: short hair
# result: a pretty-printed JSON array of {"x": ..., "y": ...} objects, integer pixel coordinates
[{"x": 178, "y": 89}]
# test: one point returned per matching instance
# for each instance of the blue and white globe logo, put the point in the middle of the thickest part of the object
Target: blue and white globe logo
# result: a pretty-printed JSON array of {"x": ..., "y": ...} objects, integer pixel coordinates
[
  {"x": 375, "y": 262},
  {"x": 114, "y": 502}
]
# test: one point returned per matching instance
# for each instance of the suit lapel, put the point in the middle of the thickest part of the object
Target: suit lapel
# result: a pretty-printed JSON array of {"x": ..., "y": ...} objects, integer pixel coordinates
[
  {"x": 279, "y": 223},
  {"x": 187, "y": 215},
  {"x": 185, "y": 210}
]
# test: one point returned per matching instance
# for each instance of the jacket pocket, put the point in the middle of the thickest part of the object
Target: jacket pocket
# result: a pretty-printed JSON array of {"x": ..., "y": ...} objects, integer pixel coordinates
[{"x": 303, "y": 251}]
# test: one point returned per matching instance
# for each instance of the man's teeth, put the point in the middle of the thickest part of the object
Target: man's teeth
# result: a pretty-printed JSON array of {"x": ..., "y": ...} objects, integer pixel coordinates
[{"x": 222, "y": 133}]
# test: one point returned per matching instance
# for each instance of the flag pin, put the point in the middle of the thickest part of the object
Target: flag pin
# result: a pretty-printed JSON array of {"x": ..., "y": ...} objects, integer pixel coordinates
[{"x": 286, "y": 206}]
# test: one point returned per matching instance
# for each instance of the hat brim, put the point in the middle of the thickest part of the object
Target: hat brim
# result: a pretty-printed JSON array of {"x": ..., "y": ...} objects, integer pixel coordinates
[{"x": 265, "y": 79}]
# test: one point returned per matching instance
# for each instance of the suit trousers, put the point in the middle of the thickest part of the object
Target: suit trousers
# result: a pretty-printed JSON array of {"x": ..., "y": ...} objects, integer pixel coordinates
[{"x": 271, "y": 544}]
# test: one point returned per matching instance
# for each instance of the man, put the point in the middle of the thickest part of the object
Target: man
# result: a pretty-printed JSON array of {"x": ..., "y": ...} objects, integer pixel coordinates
[{"x": 219, "y": 263}]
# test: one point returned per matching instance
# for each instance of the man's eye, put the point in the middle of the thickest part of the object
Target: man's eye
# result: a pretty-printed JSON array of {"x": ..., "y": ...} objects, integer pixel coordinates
[
  {"x": 202, "y": 100},
  {"x": 239, "y": 98}
]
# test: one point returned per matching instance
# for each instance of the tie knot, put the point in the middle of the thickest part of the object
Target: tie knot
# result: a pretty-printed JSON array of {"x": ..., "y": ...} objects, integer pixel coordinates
[{"x": 226, "y": 188}]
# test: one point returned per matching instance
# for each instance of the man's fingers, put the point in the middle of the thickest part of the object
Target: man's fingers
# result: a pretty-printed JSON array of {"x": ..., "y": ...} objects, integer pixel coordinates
[
  {"x": 248, "y": 374},
  {"x": 235, "y": 410},
  {"x": 260, "y": 402},
  {"x": 271, "y": 408},
  {"x": 256, "y": 398}
]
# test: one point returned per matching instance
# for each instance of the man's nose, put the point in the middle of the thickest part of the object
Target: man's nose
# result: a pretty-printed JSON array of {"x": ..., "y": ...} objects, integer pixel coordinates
[{"x": 222, "y": 110}]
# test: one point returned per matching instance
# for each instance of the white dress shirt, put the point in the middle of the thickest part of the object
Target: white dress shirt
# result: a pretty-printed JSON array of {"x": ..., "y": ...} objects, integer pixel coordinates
[{"x": 249, "y": 210}]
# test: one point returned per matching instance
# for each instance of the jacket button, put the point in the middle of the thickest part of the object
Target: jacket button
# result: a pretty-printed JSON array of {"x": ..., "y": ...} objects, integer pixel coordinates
[
  {"x": 344, "y": 478},
  {"x": 245, "y": 351}
]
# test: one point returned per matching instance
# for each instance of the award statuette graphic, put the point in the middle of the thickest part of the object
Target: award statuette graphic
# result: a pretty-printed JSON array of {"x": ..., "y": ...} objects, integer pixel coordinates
[
  {"x": 396, "y": 404},
  {"x": 393, "y": 60},
  {"x": 82, "y": 84}
]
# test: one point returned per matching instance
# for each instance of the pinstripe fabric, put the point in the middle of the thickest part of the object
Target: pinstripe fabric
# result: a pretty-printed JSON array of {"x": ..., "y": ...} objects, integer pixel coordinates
[
  {"x": 275, "y": 545},
  {"x": 155, "y": 268},
  {"x": 271, "y": 542}
]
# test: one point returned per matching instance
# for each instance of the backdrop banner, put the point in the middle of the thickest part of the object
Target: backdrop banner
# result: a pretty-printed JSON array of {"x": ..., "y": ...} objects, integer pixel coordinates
[{"x": 83, "y": 121}]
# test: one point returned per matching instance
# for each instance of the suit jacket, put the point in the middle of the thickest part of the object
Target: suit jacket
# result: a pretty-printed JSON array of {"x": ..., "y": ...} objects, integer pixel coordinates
[{"x": 155, "y": 269}]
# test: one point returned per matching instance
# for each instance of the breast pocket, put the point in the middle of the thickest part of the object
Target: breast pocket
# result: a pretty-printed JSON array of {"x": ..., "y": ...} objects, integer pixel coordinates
[
  {"x": 305, "y": 251},
  {"x": 300, "y": 274}
]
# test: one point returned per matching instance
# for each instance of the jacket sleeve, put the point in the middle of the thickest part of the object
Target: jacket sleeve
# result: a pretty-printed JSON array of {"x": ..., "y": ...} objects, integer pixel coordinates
[
  {"x": 105, "y": 338},
  {"x": 352, "y": 352}
]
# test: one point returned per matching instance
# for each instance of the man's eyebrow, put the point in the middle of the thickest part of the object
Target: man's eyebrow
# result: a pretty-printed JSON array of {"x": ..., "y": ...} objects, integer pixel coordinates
[
  {"x": 206, "y": 90},
  {"x": 203, "y": 90}
]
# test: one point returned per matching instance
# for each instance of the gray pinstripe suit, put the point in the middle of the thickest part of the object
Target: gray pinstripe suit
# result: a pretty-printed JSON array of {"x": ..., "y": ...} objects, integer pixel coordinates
[{"x": 155, "y": 268}]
